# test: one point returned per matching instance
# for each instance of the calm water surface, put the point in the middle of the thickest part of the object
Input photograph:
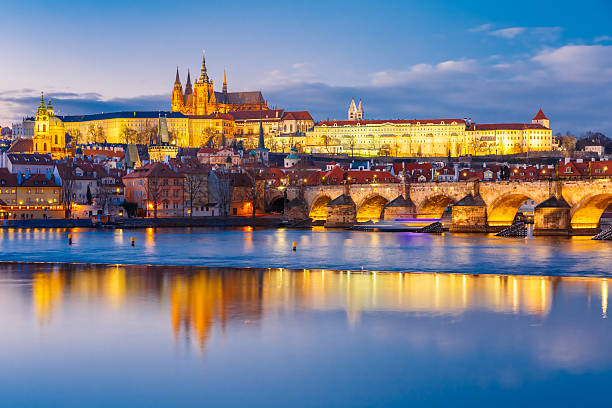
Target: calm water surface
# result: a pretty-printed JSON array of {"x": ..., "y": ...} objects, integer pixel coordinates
[
  {"x": 336, "y": 249},
  {"x": 510, "y": 322},
  {"x": 95, "y": 335}
]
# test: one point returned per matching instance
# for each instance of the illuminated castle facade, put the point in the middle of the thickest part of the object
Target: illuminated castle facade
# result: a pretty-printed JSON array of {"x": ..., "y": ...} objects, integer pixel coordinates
[{"x": 201, "y": 99}]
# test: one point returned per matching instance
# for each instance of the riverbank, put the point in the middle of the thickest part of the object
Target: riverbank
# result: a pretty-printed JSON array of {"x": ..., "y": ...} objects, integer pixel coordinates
[{"x": 180, "y": 222}]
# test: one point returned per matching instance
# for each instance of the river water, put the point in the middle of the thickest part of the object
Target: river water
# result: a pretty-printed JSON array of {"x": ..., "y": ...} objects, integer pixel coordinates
[
  {"x": 325, "y": 249},
  {"x": 510, "y": 322}
]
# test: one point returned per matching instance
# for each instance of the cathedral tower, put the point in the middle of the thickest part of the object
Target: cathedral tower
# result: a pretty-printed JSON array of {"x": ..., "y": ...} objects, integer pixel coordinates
[
  {"x": 204, "y": 96},
  {"x": 177, "y": 104}
]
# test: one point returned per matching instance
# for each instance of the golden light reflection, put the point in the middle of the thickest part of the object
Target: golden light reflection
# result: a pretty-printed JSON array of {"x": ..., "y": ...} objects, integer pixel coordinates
[
  {"x": 200, "y": 299},
  {"x": 47, "y": 292}
]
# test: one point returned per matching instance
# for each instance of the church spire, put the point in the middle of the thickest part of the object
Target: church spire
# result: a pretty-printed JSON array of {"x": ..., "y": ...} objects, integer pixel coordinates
[
  {"x": 261, "y": 144},
  {"x": 177, "y": 80},
  {"x": 188, "y": 88},
  {"x": 42, "y": 100},
  {"x": 224, "y": 82},
  {"x": 203, "y": 73}
]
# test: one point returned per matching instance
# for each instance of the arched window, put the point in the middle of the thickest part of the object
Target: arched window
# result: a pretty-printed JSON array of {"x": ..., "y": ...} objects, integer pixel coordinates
[
  {"x": 55, "y": 139},
  {"x": 45, "y": 147},
  {"x": 44, "y": 127}
]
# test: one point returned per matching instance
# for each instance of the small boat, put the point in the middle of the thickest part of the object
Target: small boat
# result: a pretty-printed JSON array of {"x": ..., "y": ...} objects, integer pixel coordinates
[{"x": 396, "y": 225}]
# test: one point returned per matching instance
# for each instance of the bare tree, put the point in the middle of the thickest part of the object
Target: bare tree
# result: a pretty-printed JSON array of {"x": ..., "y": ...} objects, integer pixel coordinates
[
  {"x": 68, "y": 187},
  {"x": 75, "y": 137},
  {"x": 223, "y": 190},
  {"x": 195, "y": 185},
  {"x": 210, "y": 138},
  {"x": 128, "y": 134},
  {"x": 153, "y": 189},
  {"x": 256, "y": 190},
  {"x": 95, "y": 134}
]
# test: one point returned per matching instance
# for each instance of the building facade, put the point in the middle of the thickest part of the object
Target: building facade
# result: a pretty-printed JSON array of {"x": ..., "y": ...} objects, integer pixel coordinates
[
  {"x": 428, "y": 137},
  {"x": 201, "y": 99}
]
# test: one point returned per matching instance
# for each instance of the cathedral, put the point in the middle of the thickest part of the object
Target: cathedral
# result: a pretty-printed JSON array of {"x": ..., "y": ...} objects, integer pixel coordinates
[{"x": 201, "y": 99}]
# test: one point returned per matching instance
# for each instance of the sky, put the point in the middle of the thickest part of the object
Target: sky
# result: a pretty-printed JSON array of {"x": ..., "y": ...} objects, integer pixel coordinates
[{"x": 485, "y": 60}]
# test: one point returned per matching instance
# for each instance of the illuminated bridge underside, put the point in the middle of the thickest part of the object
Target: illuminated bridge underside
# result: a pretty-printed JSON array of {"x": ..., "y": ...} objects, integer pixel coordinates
[
  {"x": 318, "y": 211},
  {"x": 434, "y": 207},
  {"x": 504, "y": 210},
  {"x": 371, "y": 209},
  {"x": 589, "y": 211}
]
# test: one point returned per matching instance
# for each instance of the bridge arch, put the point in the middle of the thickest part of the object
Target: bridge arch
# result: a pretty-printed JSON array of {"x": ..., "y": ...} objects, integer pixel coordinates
[
  {"x": 371, "y": 208},
  {"x": 318, "y": 210},
  {"x": 434, "y": 207},
  {"x": 586, "y": 213},
  {"x": 502, "y": 211}
]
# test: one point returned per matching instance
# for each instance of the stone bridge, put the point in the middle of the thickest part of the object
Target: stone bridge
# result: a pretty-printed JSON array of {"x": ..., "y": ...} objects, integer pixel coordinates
[{"x": 563, "y": 206}]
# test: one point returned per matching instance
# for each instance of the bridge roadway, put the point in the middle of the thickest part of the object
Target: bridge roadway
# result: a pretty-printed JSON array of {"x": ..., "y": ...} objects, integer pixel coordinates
[{"x": 586, "y": 201}]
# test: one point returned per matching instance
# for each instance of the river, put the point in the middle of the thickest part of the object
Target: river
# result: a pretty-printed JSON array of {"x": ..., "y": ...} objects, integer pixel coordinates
[{"x": 464, "y": 320}]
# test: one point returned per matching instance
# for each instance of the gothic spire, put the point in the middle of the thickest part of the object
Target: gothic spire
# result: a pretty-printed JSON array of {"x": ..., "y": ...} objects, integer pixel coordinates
[
  {"x": 42, "y": 100},
  {"x": 203, "y": 73},
  {"x": 177, "y": 80},
  {"x": 188, "y": 88},
  {"x": 261, "y": 144},
  {"x": 224, "y": 82}
]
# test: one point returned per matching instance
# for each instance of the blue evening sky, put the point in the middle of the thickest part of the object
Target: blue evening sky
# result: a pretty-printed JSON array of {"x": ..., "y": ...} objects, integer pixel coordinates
[{"x": 491, "y": 61}]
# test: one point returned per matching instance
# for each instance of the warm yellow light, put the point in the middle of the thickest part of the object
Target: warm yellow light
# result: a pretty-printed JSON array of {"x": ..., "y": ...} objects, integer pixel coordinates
[
  {"x": 118, "y": 190},
  {"x": 543, "y": 171},
  {"x": 515, "y": 170}
]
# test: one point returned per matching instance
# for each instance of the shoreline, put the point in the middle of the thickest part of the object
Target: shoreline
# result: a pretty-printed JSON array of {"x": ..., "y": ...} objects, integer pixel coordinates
[{"x": 135, "y": 223}]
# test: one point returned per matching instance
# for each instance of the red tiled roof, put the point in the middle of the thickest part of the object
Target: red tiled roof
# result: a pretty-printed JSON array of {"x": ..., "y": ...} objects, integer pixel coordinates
[
  {"x": 505, "y": 126},
  {"x": 154, "y": 170},
  {"x": 268, "y": 114},
  {"x": 38, "y": 180},
  {"x": 540, "y": 115},
  {"x": 30, "y": 158},
  {"x": 297, "y": 115}
]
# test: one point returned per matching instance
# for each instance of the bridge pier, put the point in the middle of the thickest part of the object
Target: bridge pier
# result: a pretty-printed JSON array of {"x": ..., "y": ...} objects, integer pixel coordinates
[
  {"x": 341, "y": 212},
  {"x": 469, "y": 215},
  {"x": 552, "y": 217}
]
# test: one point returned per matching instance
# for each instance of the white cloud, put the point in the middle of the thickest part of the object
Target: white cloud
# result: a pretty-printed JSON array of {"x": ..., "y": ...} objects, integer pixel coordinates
[
  {"x": 508, "y": 32},
  {"x": 603, "y": 38},
  {"x": 578, "y": 63},
  {"x": 420, "y": 72},
  {"x": 480, "y": 28}
]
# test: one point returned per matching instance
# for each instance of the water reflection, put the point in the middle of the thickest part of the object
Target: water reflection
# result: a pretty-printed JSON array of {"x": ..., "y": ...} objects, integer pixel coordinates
[{"x": 199, "y": 298}]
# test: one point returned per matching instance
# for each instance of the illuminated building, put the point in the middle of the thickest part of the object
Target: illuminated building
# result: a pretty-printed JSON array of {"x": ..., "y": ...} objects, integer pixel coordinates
[
  {"x": 202, "y": 99},
  {"x": 162, "y": 149},
  {"x": 428, "y": 137},
  {"x": 141, "y": 127},
  {"x": 49, "y": 131}
]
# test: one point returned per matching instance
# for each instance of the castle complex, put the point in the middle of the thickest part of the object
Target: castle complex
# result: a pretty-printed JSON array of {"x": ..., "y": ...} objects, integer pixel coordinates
[
  {"x": 199, "y": 116},
  {"x": 427, "y": 137},
  {"x": 202, "y": 99}
]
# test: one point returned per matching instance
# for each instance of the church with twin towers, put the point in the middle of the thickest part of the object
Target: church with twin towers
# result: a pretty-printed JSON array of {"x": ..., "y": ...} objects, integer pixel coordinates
[{"x": 200, "y": 98}]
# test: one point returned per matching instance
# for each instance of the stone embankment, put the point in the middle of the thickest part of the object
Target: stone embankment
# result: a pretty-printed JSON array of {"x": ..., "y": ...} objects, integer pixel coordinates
[{"x": 181, "y": 222}]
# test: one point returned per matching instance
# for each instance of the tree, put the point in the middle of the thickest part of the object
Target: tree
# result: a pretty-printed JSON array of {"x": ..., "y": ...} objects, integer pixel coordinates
[
  {"x": 210, "y": 138},
  {"x": 130, "y": 208},
  {"x": 75, "y": 137},
  {"x": 89, "y": 196},
  {"x": 195, "y": 185},
  {"x": 256, "y": 190},
  {"x": 567, "y": 142},
  {"x": 128, "y": 135},
  {"x": 95, "y": 134},
  {"x": 147, "y": 134},
  {"x": 67, "y": 195},
  {"x": 154, "y": 191},
  {"x": 220, "y": 182}
]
